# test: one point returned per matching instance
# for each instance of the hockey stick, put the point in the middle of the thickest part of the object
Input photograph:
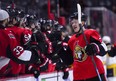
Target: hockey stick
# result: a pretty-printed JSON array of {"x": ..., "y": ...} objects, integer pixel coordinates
[
  {"x": 37, "y": 79},
  {"x": 79, "y": 20}
]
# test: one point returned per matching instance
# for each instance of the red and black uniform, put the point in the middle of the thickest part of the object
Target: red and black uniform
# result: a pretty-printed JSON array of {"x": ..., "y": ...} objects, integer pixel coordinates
[
  {"x": 83, "y": 68},
  {"x": 23, "y": 35},
  {"x": 39, "y": 41},
  {"x": 11, "y": 50},
  {"x": 57, "y": 44}
]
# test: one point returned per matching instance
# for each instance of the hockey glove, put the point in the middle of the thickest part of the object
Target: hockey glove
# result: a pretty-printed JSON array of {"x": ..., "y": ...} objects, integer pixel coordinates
[
  {"x": 35, "y": 72},
  {"x": 31, "y": 69},
  {"x": 112, "y": 52},
  {"x": 92, "y": 49},
  {"x": 36, "y": 52},
  {"x": 54, "y": 57},
  {"x": 44, "y": 65},
  {"x": 59, "y": 66},
  {"x": 66, "y": 74}
]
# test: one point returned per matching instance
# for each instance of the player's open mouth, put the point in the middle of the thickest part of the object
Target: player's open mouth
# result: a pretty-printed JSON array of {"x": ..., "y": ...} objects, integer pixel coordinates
[{"x": 75, "y": 27}]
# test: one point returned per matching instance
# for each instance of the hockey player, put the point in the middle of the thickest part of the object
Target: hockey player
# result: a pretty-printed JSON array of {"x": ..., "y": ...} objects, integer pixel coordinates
[
  {"x": 10, "y": 48},
  {"x": 64, "y": 38},
  {"x": 55, "y": 41},
  {"x": 23, "y": 35},
  {"x": 110, "y": 59},
  {"x": 38, "y": 40},
  {"x": 83, "y": 67}
]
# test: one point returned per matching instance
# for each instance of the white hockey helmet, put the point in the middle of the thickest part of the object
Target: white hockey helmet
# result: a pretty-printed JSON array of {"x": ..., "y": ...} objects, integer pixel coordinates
[
  {"x": 106, "y": 39},
  {"x": 3, "y": 15}
]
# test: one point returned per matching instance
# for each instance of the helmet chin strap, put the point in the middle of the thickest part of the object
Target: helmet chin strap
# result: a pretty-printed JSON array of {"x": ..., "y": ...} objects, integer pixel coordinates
[{"x": 79, "y": 32}]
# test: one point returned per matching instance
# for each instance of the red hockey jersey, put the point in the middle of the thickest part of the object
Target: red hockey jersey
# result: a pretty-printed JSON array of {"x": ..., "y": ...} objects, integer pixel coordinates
[
  {"x": 9, "y": 47},
  {"x": 83, "y": 67},
  {"x": 23, "y": 35}
]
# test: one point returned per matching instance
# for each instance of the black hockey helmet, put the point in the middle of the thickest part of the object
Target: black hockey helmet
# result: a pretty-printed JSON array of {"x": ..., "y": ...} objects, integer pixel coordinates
[
  {"x": 15, "y": 12},
  {"x": 75, "y": 16},
  {"x": 49, "y": 23},
  {"x": 30, "y": 19}
]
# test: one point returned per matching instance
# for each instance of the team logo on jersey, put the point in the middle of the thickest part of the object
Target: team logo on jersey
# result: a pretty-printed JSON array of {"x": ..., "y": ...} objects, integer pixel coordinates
[
  {"x": 79, "y": 54},
  {"x": 27, "y": 37}
]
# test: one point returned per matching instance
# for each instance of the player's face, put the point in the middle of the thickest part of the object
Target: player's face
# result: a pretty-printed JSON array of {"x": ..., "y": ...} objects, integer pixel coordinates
[
  {"x": 14, "y": 21},
  {"x": 75, "y": 25}
]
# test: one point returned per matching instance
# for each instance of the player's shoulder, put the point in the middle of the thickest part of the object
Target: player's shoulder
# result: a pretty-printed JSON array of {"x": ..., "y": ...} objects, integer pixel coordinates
[
  {"x": 72, "y": 38},
  {"x": 90, "y": 31}
]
